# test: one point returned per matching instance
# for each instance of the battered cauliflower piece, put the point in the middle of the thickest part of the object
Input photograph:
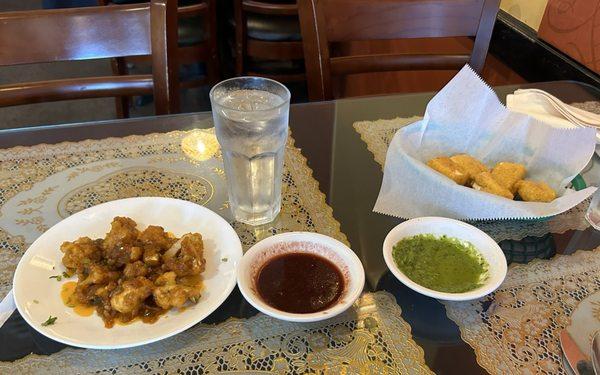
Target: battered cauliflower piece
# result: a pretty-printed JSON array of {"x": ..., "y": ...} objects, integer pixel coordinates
[
  {"x": 135, "y": 274},
  {"x": 188, "y": 259},
  {"x": 122, "y": 232},
  {"x": 450, "y": 169},
  {"x": 485, "y": 182},
  {"x": 508, "y": 174},
  {"x": 135, "y": 269},
  {"x": 169, "y": 294},
  {"x": 128, "y": 298},
  {"x": 469, "y": 164},
  {"x": 156, "y": 236},
  {"x": 533, "y": 191},
  {"x": 80, "y": 252},
  {"x": 99, "y": 274}
]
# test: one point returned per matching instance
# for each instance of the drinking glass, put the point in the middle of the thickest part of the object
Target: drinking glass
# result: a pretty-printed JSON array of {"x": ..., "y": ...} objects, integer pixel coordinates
[
  {"x": 592, "y": 214},
  {"x": 251, "y": 123}
]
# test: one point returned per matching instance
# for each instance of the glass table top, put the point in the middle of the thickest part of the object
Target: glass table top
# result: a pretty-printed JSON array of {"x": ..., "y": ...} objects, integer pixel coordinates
[{"x": 350, "y": 179}]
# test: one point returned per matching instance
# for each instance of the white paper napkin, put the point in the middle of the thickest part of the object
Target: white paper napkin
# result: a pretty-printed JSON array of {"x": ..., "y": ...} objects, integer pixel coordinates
[
  {"x": 7, "y": 307},
  {"x": 537, "y": 106},
  {"x": 549, "y": 109},
  {"x": 467, "y": 117}
]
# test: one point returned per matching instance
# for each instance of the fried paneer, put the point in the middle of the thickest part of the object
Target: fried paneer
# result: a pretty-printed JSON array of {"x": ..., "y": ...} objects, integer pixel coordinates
[
  {"x": 508, "y": 174},
  {"x": 469, "y": 164},
  {"x": 450, "y": 169},
  {"x": 485, "y": 182},
  {"x": 534, "y": 191}
]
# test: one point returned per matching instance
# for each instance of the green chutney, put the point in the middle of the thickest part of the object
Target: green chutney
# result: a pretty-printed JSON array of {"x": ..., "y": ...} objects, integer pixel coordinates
[{"x": 444, "y": 264}]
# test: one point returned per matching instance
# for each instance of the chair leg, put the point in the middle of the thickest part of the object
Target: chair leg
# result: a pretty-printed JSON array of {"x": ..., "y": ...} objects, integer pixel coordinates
[{"x": 119, "y": 67}]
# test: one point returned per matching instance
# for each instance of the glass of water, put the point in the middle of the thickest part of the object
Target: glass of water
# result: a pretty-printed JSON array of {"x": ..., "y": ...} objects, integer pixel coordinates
[
  {"x": 592, "y": 214},
  {"x": 251, "y": 122}
]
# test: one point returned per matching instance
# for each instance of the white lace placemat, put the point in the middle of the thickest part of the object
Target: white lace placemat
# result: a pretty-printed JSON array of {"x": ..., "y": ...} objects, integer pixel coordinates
[
  {"x": 370, "y": 338},
  {"x": 43, "y": 184},
  {"x": 378, "y": 134},
  {"x": 515, "y": 330}
]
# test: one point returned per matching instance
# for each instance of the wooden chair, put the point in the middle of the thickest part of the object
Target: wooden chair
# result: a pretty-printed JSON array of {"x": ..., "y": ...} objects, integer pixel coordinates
[
  {"x": 72, "y": 34},
  {"x": 197, "y": 42},
  {"x": 267, "y": 40},
  {"x": 340, "y": 21}
]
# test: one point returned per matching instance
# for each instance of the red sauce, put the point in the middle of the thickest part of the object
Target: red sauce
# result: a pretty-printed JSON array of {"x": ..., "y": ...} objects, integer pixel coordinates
[{"x": 300, "y": 283}]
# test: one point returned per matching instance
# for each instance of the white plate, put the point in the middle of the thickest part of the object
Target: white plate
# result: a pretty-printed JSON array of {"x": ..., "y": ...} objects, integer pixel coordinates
[
  {"x": 43, "y": 259},
  {"x": 439, "y": 226},
  {"x": 302, "y": 242}
]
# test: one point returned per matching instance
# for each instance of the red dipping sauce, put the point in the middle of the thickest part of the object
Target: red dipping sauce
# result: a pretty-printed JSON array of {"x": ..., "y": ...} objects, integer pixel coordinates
[{"x": 300, "y": 283}]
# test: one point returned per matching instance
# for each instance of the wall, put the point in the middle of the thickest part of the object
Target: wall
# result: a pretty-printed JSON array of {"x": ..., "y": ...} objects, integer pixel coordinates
[
  {"x": 573, "y": 26},
  {"x": 529, "y": 12}
]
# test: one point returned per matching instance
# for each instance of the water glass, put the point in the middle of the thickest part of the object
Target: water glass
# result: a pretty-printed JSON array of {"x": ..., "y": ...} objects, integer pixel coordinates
[
  {"x": 251, "y": 123},
  {"x": 592, "y": 214}
]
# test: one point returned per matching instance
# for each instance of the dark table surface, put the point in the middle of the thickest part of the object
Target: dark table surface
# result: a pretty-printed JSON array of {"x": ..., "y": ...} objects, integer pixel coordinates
[{"x": 350, "y": 178}]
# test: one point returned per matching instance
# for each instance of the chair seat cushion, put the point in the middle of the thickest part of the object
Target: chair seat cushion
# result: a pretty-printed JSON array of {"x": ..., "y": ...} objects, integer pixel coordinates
[{"x": 273, "y": 28}]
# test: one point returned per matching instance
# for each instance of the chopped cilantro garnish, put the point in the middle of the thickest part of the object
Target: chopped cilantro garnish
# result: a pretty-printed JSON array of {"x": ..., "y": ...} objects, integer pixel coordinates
[{"x": 51, "y": 320}]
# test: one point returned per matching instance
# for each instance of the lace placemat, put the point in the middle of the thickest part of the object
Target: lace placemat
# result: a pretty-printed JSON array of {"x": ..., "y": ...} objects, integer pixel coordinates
[
  {"x": 370, "y": 338},
  {"x": 515, "y": 330},
  {"x": 41, "y": 185},
  {"x": 378, "y": 134}
]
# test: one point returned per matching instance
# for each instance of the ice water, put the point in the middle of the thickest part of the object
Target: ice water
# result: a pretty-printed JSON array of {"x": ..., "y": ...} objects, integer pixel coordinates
[{"x": 252, "y": 127}]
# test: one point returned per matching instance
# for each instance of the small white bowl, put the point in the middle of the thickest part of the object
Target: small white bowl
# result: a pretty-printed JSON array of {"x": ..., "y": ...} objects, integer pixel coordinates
[
  {"x": 301, "y": 242},
  {"x": 439, "y": 226}
]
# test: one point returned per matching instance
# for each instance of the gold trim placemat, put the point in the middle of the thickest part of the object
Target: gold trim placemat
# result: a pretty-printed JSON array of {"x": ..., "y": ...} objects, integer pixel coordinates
[
  {"x": 41, "y": 185},
  {"x": 515, "y": 330},
  {"x": 377, "y": 135},
  {"x": 370, "y": 338}
]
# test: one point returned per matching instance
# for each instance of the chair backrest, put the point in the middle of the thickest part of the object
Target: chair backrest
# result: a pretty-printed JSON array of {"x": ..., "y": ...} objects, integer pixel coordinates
[
  {"x": 327, "y": 21},
  {"x": 73, "y": 34},
  {"x": 265, "y": 50}
]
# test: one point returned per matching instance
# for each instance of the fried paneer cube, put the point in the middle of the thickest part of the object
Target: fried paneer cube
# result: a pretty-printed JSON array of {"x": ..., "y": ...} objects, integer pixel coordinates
[
  {"x": 485, "y": 182},
  {"x": 508, "y": 174},
  {"x": 469, "y": 164},
  {"x": 450, "y": 169},
  {"x": 534, "y": 191}
]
